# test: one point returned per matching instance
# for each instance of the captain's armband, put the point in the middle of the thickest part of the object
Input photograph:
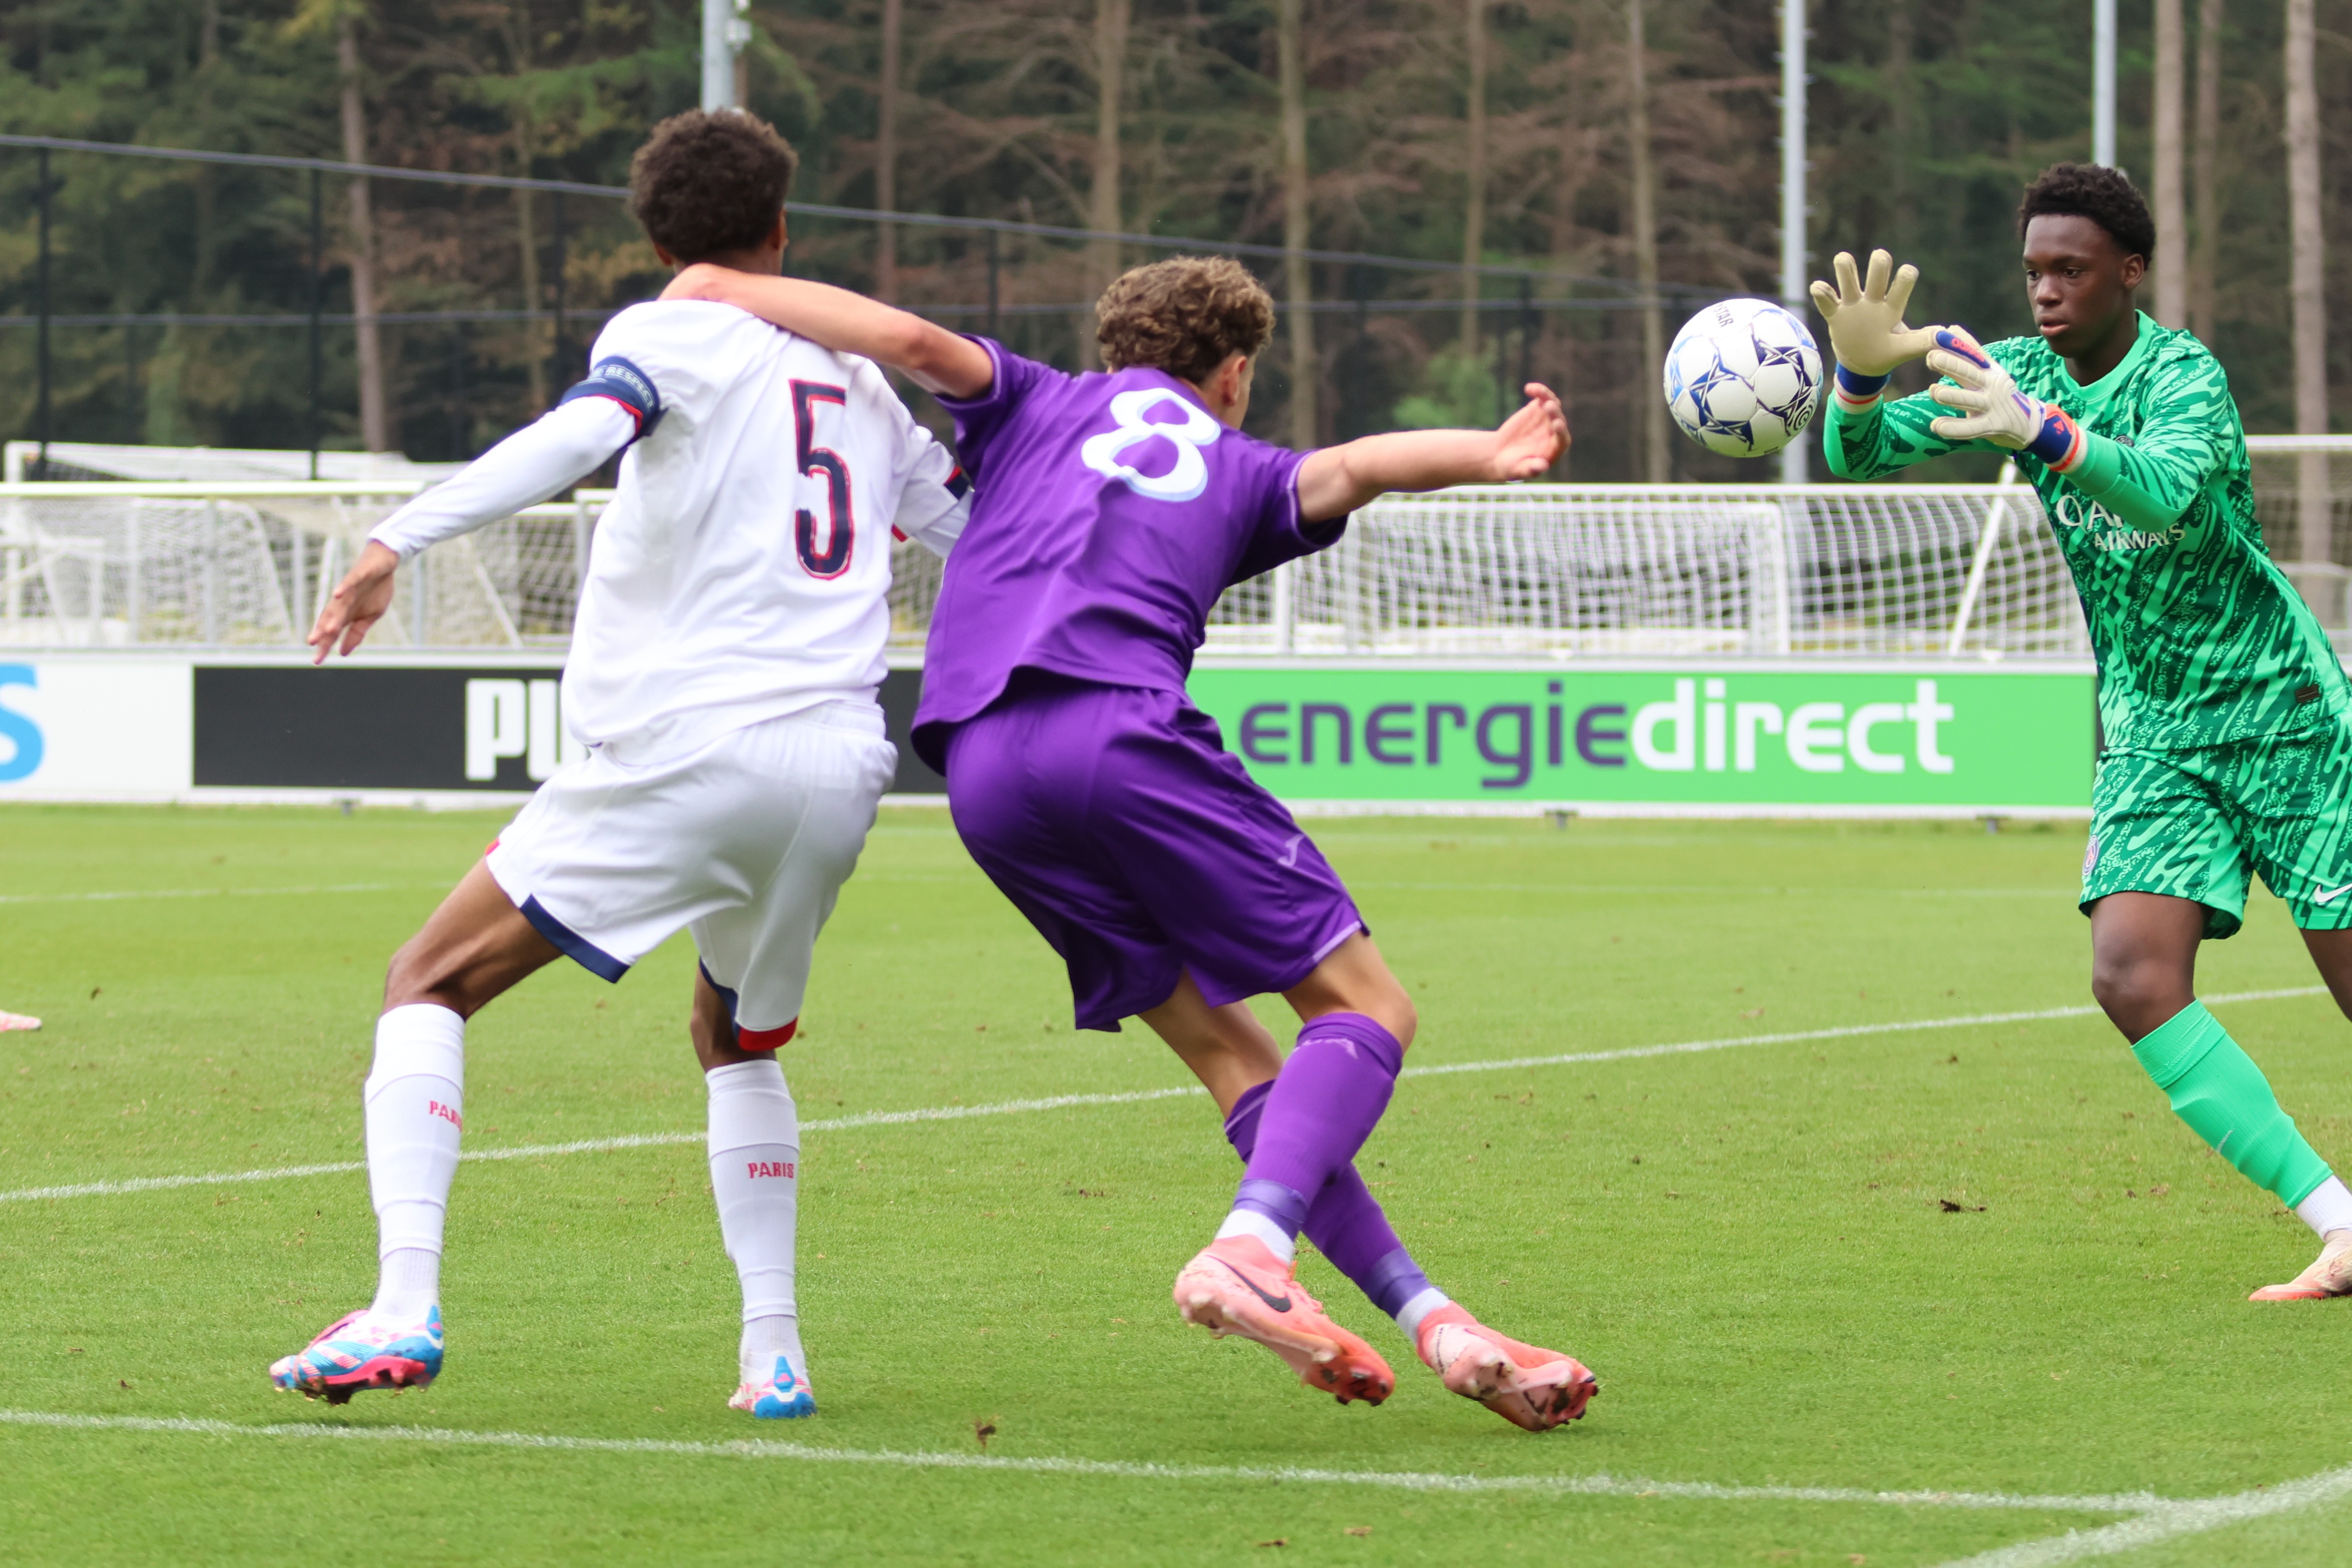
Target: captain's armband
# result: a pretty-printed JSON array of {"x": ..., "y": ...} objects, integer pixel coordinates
[{"x": 625, "y": 383}]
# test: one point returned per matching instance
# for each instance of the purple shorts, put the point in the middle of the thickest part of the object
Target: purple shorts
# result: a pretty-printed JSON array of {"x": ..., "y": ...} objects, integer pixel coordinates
[{"x": 1115, "y": 820}]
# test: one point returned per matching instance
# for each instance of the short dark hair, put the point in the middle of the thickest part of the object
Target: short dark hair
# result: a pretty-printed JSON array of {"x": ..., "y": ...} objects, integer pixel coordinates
[
  {"x": 706, "y": 183},
  {"x": 1183, "y": 315},
  {"x": 2106, "y": 196}
]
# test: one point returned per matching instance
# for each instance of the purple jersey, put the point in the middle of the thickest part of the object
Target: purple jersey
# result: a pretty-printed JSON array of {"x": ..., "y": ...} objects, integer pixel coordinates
[{"x": 1110, "y": 512}]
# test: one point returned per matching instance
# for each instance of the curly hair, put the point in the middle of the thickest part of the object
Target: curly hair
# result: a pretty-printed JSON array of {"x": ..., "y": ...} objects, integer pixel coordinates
[
  {"x": 1183, "y": 315},
  {"x": 2106, "y": 196},
  {"x": 706, "y": 183}
]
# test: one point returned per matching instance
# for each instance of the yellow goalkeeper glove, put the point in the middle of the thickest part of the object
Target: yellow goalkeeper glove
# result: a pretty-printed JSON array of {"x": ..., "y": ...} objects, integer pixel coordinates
[
  {"x": 1866, "y": 330},
  {"x": 1995, "y": 410}
]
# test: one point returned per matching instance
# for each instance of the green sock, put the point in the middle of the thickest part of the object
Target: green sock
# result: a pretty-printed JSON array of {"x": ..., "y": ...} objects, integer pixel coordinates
[{"x": 2217, "y": 1088}]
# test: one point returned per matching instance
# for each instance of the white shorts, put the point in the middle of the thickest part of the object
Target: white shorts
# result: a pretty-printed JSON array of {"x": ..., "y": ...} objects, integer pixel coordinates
[{"x": 747, "y": 841}]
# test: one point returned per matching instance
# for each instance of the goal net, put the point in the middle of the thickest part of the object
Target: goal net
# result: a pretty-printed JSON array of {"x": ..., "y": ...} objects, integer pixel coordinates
[
  {"x": 2303, "y": 492},
  {"x": 1895, "y": 572},
  {"x": 97, "y": 565},
  {"x": 1890, "y": 571}
]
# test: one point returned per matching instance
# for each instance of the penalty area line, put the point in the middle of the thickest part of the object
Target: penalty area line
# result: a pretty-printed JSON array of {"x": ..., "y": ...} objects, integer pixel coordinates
[
  {"x": 1117, "y": 1469},
  {"x": 594, "y": 1145},
  {"x": 1133, "y": 1097},
  {"x": 2166, "y": 1521},
  {"x": 214, "y": 892},
  {"x": 1846, "y": 1031}
]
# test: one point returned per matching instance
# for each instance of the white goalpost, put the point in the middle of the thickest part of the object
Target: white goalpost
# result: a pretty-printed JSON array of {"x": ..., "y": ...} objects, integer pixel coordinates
[
  {"x": 1806, "y": 571},
  {"x": 1861, "y": 572}
]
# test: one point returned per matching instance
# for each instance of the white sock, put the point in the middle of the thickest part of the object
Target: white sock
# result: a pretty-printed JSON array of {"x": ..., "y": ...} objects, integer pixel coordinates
[
  {"x": 1249, "y": 1222},
  {"x": 1408, "y": 1316},
  {"x": 416, "y": 1107},
  {"x": 2329, "y": 1207},
  {"x": 755, "y": 1150}
]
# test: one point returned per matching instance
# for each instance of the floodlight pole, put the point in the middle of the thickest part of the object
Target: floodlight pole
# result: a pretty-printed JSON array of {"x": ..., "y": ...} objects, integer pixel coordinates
[
  {"x": 1792, "y": 193},
  {"x": 2102, "y": 85},
  {"x": 725, "y": 28}
]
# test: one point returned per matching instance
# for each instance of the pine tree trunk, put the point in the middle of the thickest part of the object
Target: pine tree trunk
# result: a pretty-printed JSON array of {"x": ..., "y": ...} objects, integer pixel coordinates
[
  {"x": 527, "y": 236},
  {"x": 535, "y": 354},
  {"x": 886, "y": 156},
  {"x": 1657, "y": 457},
  {"x": 2171, "y": 258},
  {"x": 207, "y": 55},
  {"x": 2206, "y": 149},
  {"x": 375, "y": 415},
  {"x": 1297, "y": 281},
  {"x": 1104, "y": 208},
  {"x": 2307, "y": 277},
  {"x": 1900, "y": 94},
  {"x": 1474, "y": 212}
]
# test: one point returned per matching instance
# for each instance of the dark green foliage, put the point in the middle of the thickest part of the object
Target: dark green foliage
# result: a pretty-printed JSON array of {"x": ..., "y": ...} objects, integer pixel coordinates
[{"x": 1926, "y": 122}]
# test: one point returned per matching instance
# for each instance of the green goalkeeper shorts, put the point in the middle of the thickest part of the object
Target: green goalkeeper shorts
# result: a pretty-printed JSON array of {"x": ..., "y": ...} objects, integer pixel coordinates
[{"x": 2199, "y": 824}]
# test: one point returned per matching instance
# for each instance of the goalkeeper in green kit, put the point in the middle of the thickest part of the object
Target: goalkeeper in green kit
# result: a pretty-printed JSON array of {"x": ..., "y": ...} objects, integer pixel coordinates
[{"x": 2228, "y": 718}]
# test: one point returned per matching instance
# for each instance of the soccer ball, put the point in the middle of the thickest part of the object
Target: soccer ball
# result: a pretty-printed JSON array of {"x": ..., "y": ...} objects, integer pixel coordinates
[{"x": 1744, "y": 378}]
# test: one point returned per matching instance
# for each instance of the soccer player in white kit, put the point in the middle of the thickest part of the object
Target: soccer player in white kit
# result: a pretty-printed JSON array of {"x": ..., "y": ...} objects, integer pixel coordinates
[{"x": 725, "y": 659}]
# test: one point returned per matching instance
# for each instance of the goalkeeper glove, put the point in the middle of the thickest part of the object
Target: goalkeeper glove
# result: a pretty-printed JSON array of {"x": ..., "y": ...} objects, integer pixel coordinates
[
  {"x": 1998, "y": 412},
  {"x": 1866, "y": 330}
]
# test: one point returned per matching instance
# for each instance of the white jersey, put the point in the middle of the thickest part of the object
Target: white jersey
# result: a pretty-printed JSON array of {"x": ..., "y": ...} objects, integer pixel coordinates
[{"x": 743, "y": 570}]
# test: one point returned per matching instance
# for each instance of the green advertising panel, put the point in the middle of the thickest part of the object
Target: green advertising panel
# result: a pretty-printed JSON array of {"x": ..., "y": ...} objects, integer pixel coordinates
[{"x": 1822, "y": 737}]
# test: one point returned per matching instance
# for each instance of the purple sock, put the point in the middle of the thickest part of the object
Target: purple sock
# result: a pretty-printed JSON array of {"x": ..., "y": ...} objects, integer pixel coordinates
[
  {"x": 1325, "y": 1102},
  {"x": 1344, "y": 1221}
]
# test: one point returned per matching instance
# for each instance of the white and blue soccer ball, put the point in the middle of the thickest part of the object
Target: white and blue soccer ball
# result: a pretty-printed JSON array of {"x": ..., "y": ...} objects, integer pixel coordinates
[{"x": 1744, "y": 378}]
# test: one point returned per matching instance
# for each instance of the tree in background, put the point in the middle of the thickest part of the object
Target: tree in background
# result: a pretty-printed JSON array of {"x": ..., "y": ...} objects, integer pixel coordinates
[
  {"x": 2306, "y": 277},
  {"x": 343, "y": 18},
  {"x": 1347, "y": 124}
]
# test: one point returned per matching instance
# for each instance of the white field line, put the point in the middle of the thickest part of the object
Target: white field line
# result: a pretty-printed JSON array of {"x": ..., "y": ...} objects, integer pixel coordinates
[
  {"x": 1581, "y": 889},
  {"x": 2167, "y": 1521},
  {"x": 1119, "y": 1470},
  {"x": 1706, "y": 889},
  {"x": 1846, "y": 1032},
  {"x": 210, "y": 892},
  {"x": 1134, "y": 1096},
  {"x": 594, "y": 1145}
]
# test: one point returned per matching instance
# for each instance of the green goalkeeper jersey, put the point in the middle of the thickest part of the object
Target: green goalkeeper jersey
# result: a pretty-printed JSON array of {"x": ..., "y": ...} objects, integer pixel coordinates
[{"x": 2199, "y": 638}]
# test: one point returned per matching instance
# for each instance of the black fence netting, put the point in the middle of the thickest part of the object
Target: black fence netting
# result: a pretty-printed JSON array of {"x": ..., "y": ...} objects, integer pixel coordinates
[{"x": 182, "y": 299}]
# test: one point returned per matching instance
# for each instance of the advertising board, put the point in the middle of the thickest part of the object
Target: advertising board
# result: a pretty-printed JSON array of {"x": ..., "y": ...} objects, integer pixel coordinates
[
  {"x": 94, "y": 728},
  {"x": 1743, "y": 736}
]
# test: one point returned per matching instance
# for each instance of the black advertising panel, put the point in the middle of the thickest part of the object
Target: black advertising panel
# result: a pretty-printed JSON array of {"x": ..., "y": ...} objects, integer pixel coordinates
[
  {"x": 901, "y": 690},
  {"x": 375, "y": 727}
]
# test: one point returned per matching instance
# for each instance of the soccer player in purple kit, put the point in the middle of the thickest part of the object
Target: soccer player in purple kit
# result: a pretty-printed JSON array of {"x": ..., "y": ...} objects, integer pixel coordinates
[{"x": 1112, "y": 511}]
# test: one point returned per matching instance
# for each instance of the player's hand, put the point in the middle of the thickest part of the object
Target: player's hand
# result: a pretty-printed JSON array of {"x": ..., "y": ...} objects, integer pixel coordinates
[
  {"x": 1531, "y": 441},
  {"x": 359, "y": 601},
  {"x": 1865, "y": 316},
  {"x": 703, "y": 280},
  {"x": 1997, "y": 411}
]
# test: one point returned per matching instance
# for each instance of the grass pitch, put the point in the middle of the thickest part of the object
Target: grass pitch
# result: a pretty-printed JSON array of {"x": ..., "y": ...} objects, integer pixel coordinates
[{"x": 1979, "y": 1259}]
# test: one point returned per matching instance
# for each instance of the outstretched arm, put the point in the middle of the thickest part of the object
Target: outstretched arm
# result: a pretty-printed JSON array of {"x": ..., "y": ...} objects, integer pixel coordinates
[
  {"x": 1335, "y": 480},
  {"x": 539, "y": 460},
  {"x": 939, "y": 360},
  {"x": 2150, "y": 484}
]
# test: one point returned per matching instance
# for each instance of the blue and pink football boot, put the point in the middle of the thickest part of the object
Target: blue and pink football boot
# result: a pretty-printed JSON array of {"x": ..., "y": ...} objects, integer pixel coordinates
[
  {"x": 783, "y": 1396},
  {"x": 363, "y": 1351}
]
